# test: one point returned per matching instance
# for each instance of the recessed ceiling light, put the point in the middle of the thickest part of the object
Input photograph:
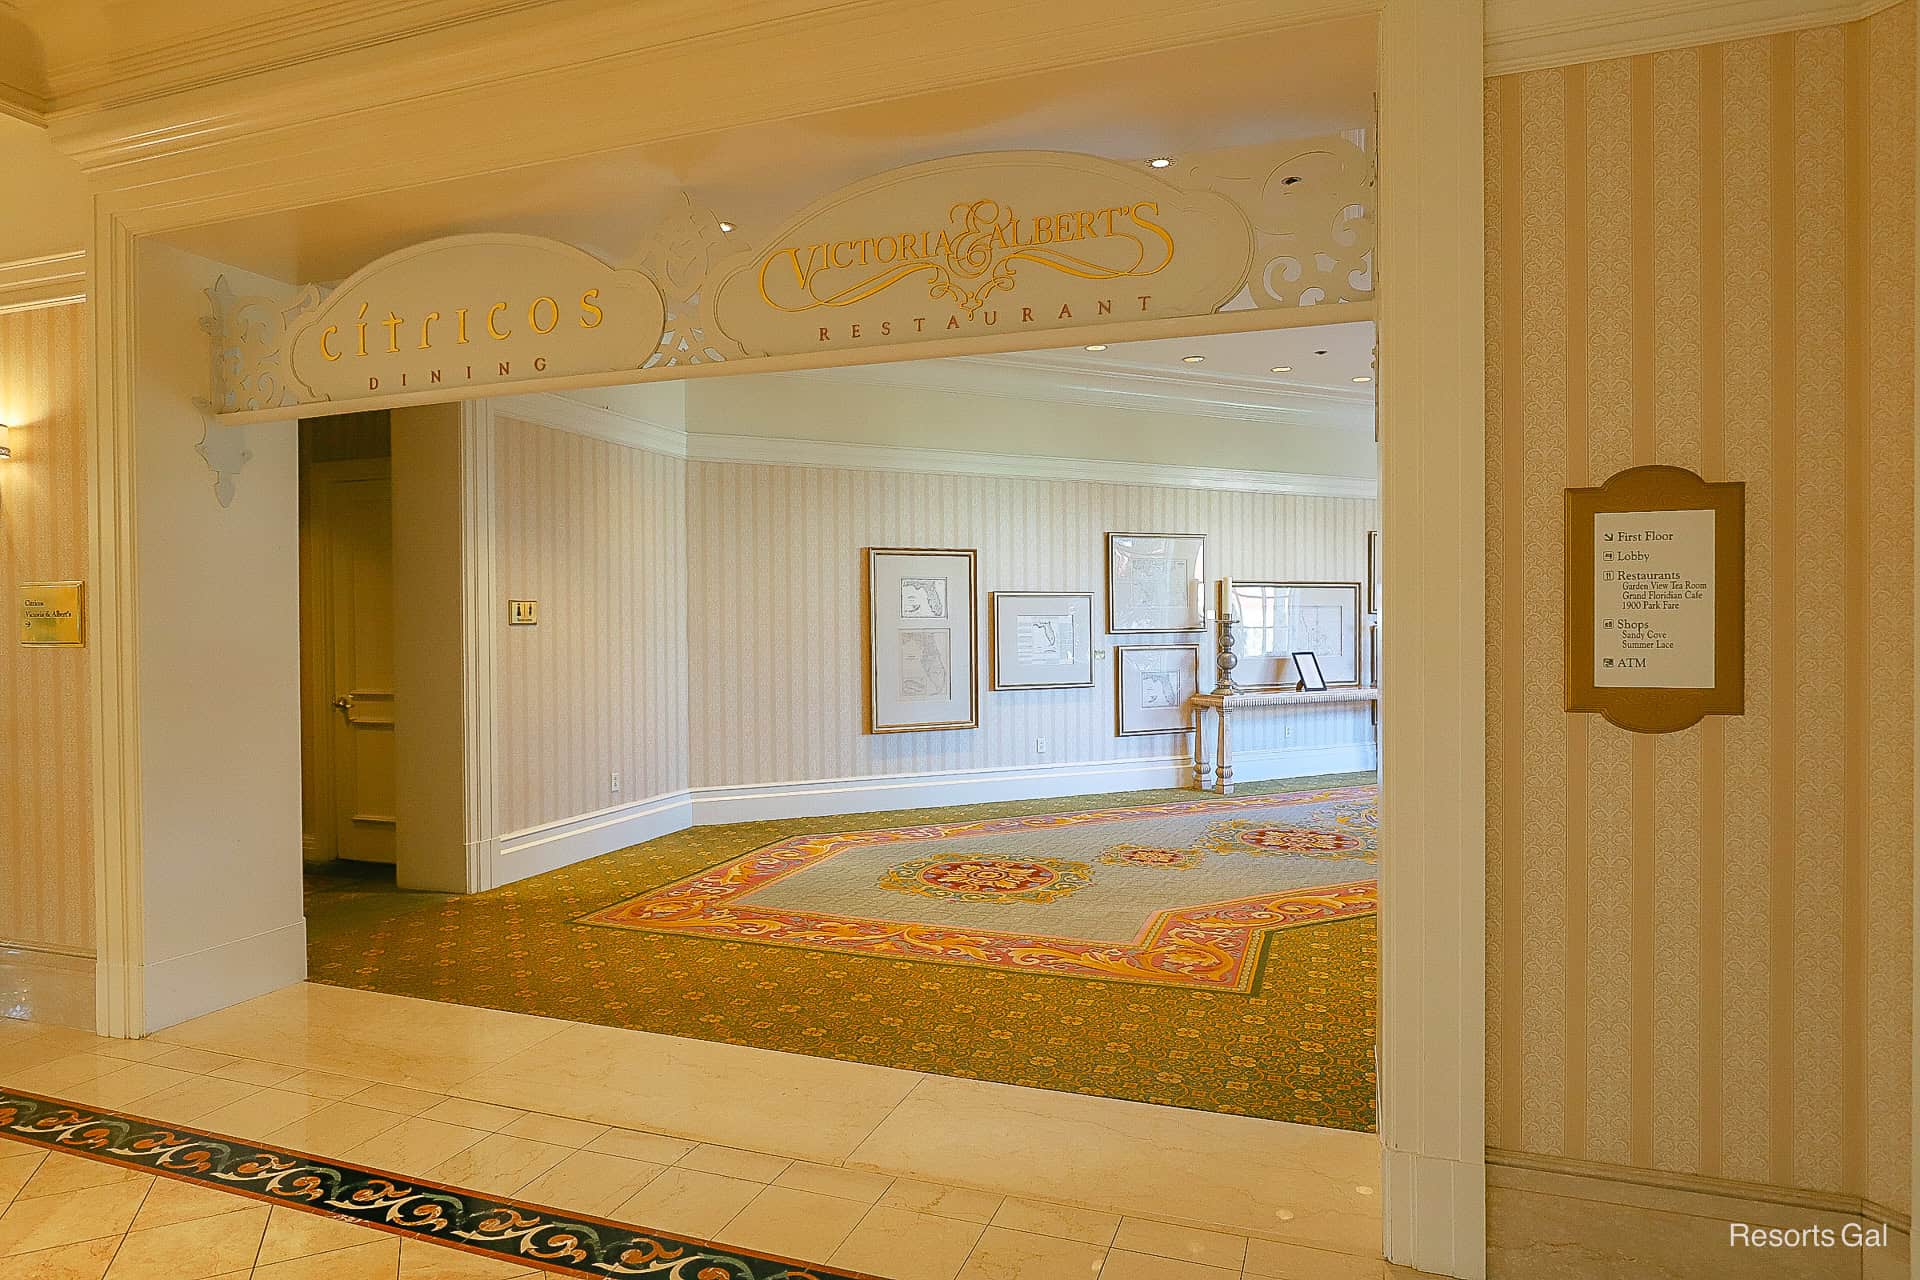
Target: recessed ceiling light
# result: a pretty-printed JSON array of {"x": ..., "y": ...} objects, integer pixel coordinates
[
  {"x": 1281, "y": 368},
  {"x": 1098, "y": 346},
  {"x": 726, "y": 226},
  {"x": 1363, "y": 378},
  {"x": 1191, "y": 359},
  {"x": 1158, "y": 162}
]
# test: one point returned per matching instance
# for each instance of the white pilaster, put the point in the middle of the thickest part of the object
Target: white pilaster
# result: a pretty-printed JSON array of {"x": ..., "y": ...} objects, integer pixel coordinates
[{"x": 1431, "y": 275}]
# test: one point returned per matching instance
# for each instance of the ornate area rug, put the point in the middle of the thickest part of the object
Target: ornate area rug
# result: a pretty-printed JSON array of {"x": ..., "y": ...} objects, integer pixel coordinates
[
  {"x": 1181, "y": 893},
  {"x": 1272, "y": 1017}
]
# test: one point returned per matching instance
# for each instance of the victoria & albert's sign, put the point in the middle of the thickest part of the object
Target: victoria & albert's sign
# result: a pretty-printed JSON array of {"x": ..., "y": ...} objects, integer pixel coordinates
[
  {"x": 982, "y": 244},
  {"x": 473, "y": 311},
  {"x": 966, "y": 247}
]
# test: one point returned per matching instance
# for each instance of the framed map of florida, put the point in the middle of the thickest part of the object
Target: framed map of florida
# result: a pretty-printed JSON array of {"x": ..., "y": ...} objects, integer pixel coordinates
[{"x": 921, "y": 673}]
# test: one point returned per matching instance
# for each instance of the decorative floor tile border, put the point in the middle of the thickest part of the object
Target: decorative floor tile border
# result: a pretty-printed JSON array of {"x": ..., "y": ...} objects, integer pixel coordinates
[
  {"x": 509, "y": 1230},
  {"x": 1207, "y": 946}
]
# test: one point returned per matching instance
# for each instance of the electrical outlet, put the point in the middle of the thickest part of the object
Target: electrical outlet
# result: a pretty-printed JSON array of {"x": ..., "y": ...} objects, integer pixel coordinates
[
  {"x": 1040, "y": 746},
  {"x": 1286, "y": 733},
  {"x": 613, "y": 782}
]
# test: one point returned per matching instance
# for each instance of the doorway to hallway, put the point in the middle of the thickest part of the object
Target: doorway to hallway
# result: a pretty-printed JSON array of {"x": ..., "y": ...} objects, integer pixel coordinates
[{"x": 1042, "y": 899}]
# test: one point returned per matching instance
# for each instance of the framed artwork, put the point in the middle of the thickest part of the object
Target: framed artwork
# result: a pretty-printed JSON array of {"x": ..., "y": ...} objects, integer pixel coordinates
[
  {"x": 1280, "y": 619},
  {"x": 1041, "y": 639},
  {"x": 1152, "y": 684},
  {"x": 1155, "y": 582},
  {"x": 920, "y": 640},
  {"x": 1373, "y": 572},
  {"x": 1308, "y": 666}
]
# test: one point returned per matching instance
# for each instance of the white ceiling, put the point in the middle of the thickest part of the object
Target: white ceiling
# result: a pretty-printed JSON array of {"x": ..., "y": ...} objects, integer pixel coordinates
[
  {"x": 1322, "y": 358},
  {"x": 1234, "y": 380}
]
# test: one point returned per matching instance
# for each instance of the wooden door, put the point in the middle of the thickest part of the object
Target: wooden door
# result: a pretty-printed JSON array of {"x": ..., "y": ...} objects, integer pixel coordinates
[{"x": 352, "y": 505}]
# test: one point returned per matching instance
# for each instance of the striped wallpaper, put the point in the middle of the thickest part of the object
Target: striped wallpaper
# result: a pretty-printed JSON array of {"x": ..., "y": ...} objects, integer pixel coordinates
[
  {"x": 46, "y": 846},
  {"x": 596, "y": 533},
  {"x": 776, "y": 665},
  {"x": 1699, "y": 943}
]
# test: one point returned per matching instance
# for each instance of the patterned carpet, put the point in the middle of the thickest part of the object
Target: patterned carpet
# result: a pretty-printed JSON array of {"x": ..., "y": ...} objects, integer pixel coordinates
[{"x": 1289, "y": 1038}]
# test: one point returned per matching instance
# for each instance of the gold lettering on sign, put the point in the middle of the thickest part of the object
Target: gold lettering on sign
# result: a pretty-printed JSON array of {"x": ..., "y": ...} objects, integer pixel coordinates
[
  {"x": 52, "y": 614},
  {"x": 973, "y": 257}
]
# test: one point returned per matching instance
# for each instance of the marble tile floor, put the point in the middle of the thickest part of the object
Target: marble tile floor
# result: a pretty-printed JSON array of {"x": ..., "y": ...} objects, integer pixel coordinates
[{"x": 868, "y": 1168}]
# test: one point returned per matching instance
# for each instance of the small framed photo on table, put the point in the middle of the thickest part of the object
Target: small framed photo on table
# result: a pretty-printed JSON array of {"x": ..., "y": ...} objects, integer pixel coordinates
[
  {"x": 1311, "y": 681},
  {"x": 1041, "y": 639},
  {"x": 1152, "y": 686}
]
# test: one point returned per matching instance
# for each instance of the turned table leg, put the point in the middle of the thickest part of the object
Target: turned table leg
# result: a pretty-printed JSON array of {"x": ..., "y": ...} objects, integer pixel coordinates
[
  {"x": 1224, "y": 756},
  {"x": 1202, "y": 770}
]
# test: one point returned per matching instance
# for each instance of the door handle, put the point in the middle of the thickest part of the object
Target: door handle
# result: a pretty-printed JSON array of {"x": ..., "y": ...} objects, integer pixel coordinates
[{"x": 344, "y": 703}]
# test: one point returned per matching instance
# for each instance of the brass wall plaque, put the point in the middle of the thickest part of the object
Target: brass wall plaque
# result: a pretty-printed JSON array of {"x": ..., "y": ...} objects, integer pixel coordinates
[
  {"x": 52, "y": 614},
  {"x": 1656, "y": 599}
]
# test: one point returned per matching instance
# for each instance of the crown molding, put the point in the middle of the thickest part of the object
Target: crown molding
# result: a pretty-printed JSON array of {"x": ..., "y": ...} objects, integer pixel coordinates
[
  {"x": 844, "y": 456},
  {"x": 22, "y": 104},
  {"x": 53, "y": 281},
  {"x": 1532, "y": 35},
  {"x": 564, "y": 413},
  {"x": 1117, "y": 384}
]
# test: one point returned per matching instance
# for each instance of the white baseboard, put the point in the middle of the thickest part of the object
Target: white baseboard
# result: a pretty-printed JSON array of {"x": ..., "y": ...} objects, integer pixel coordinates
[
  {"x": 44, "y": 984},
  {"x": 561, "y": 844},
  {"x": 537, "y": 850},
  {"x": 821, "y": 797},
  {"x": 202, "y": 981},
  {"x": 1304, "y": 762},
  {"x": 1544, "y": 1210}
]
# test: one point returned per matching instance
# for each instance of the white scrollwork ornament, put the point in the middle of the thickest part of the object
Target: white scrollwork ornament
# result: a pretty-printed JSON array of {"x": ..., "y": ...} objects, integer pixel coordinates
[
  {"x": 246, "y": 347},
  {"x": 679, "y": 255},
  {"x": 1311, "y": 203},
  {"x": 247, "y": 336}
]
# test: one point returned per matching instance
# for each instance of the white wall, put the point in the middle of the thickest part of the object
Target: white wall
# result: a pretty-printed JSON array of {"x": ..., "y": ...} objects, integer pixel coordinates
[
  {"x": 701, "y": 631},
  {"x": 596, "y": 533},
  {"x": 218, "y": 661},
  {"x": 430, "y": 690},
  {"x": 776, "y": 668},
  {"x": 47, "y": 210}
]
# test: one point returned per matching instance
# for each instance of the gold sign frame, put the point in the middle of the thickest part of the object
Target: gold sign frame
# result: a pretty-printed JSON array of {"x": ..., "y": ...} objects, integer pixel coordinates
[
  {"x": 1659, "y": 488},
  {"x": 55, "y": 632}
]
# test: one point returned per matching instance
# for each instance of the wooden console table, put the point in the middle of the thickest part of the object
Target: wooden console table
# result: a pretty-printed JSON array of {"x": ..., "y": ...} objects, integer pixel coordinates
[{"x": 1224, "y": 705}]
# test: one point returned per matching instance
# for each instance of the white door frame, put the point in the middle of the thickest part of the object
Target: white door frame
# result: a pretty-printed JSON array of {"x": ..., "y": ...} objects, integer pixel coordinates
[
  {"x": 1431, "y": 276},
  {"x": 1433, "y": 745}
]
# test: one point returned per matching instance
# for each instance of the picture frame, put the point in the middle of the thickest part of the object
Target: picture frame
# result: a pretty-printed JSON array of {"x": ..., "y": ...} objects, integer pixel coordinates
[
  {"x": 1278, "y": 619},
  {"x": 1152, "y": 686},
  {"x": 921, "y": 639},
  {"x": 1373, "y": 572},
  {"x": 1156, "y": 583},
  {"x": 1040, "y": 639},
  {"x": 1308, "y": 667}
]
